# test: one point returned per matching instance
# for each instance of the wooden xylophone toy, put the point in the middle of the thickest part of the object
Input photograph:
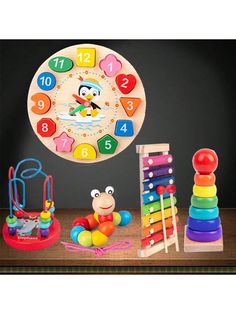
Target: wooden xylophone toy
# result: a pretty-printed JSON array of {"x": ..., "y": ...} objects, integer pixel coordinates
[
  {"x": 157, "y": 196},
  {"x": 204, "y": 232}
]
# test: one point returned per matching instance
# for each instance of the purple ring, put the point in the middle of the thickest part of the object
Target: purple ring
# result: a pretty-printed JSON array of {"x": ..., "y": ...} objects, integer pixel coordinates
[
  {"x": 204, "y": 225},
  {"x": 201, "y": 236}
]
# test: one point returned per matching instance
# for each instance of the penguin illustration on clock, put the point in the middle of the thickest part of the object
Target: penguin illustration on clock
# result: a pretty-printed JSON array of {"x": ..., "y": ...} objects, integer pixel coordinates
[{"x": 88, "y": 93}]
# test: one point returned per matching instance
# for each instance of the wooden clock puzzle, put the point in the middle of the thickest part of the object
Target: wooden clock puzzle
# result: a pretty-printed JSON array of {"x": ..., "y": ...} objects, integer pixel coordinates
[{"x": 86, "y": 103}]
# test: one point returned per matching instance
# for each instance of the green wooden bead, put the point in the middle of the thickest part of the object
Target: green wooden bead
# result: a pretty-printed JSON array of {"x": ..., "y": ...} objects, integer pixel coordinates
[
  {"x": 45, "y": 220},
  {"x": 204, "y": 202},
  {"x": 60, "y": 64},
  {"x": 11, "y": 220}
]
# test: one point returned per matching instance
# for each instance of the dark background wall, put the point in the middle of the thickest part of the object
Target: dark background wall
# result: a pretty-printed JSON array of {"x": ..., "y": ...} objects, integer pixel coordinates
[{"x": 190, "y": 89}]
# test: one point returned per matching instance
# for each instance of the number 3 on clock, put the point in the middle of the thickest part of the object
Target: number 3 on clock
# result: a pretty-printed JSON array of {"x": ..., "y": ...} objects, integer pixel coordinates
[{"x": 86, "y": 57}]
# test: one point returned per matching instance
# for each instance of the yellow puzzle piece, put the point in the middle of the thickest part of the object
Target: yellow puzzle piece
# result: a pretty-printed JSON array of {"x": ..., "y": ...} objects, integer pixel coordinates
[
  {"x": 85, "y": 151},
  {"x": 86, "y": 57}
]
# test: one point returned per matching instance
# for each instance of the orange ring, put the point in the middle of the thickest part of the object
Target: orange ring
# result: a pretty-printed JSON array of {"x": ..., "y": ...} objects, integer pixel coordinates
[{"x": 204, "y": 179}]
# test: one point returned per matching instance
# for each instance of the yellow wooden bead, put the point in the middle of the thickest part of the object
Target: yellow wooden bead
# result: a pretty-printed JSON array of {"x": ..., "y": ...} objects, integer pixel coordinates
[
  {"x": 85, "y": 238},
  {"x": 45, "y": 214},
  {"x": 96, "y": 216},
  {"x": 98, "y": 238},
  {"x": 116, "y": 218},
  {"x": 85, "y": 151},
  {"x": 86, "y": 57},
  {"x": 204, "y": 191},
  {"x": 47, "y": 204}
]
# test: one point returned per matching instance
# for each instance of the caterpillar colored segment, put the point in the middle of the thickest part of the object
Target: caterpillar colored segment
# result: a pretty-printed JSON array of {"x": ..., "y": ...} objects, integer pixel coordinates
[{"x": 83, "y": 233}]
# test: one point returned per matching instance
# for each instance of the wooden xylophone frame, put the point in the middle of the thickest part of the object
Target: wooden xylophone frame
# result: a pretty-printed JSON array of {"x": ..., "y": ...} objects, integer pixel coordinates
[{"x": 146, "y": 151}]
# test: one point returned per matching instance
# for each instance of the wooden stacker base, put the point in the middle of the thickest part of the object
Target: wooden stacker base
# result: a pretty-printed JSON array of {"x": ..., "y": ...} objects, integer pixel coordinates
[{"x": 192, "y": 246}]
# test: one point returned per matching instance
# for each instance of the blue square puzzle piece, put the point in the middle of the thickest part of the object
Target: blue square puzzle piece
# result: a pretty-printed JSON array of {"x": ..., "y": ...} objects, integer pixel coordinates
[{"x": 124, "y": 128}]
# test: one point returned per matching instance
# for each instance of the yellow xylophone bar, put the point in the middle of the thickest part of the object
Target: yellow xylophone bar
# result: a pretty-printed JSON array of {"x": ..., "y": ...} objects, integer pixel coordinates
[{"x": 155, "y": 217}]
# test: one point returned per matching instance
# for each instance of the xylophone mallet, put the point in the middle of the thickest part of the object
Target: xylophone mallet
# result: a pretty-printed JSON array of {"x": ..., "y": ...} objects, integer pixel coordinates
[
  {"x": 161, "y": 190},
  {"x": 171, "y": 190}
]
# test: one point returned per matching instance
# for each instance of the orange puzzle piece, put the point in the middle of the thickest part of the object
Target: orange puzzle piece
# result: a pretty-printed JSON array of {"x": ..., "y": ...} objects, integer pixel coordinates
[
  {"x": 42, "y": 103},
  {"x": 130, "y": 104}
]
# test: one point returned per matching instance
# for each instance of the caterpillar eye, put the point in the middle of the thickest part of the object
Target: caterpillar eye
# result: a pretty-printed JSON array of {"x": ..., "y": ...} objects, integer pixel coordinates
[
  {"x": 109, "y": 190},
  {"x": 95, "y": 193}
]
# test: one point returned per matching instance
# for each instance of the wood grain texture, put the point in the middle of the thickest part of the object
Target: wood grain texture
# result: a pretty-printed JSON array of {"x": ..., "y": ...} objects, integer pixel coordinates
[{"x": 58, "y": 256}]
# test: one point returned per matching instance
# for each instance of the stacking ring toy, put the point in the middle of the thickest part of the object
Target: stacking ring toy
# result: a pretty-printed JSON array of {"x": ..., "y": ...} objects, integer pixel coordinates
[
  {"x": 203, "y": 214},
  {"x": 204, "y": 191},
  {"x": 204, "y": 225},
  {"x": 104, "y": 219},
  {"x": 204, "y": 202},
  {"x": 200, "y": 236}
]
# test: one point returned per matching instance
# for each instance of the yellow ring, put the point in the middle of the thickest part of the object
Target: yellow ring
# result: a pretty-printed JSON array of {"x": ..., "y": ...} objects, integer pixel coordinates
[{"x": 204, "y": 191}]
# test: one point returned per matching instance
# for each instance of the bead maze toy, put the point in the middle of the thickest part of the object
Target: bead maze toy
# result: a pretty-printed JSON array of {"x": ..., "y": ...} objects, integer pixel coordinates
[
  {"x": 104, "y": 219},
  {"x": 204, "y": 231},
  {"x": 86, "y": 103},
  {"x": 159, "y": 214},
  {"x": 30, "y": 230}
]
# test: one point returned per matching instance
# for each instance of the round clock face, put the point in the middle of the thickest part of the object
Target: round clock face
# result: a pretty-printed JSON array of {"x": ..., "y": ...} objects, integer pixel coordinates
[{"x": 86, "y": 103}]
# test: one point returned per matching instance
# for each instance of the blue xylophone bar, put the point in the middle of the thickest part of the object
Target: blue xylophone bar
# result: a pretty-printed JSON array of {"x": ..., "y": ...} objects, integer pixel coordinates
[{"x": 153, "y": 183}]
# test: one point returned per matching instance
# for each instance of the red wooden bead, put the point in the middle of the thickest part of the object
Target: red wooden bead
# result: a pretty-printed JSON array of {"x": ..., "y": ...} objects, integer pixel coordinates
[
  {"x": 18, "y": 214},
  {"x": 170, "y": 189},
  {"x": 81, "y": 221},
  {"x": 160, "y": 189},
  {"x": 205, "y": 161},
  {"x": 92, "y": 221},
  {"x": 104, "y": 218}
]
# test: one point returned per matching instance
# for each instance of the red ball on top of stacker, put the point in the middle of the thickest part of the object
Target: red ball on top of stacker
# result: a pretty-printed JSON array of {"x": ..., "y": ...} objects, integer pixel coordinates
[{"x": 205, "y": 161}]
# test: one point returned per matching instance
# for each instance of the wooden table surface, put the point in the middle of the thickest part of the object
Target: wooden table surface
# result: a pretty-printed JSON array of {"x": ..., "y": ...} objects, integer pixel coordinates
[{"x": 58, "y": 256}]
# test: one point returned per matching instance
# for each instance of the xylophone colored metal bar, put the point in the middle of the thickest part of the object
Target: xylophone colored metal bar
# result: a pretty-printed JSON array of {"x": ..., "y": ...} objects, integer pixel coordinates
[{"x": 156, "y": 170}]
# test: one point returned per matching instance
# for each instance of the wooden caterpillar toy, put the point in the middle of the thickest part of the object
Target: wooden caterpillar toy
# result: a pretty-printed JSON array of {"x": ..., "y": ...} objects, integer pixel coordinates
[{"x": 104, "y": 219}]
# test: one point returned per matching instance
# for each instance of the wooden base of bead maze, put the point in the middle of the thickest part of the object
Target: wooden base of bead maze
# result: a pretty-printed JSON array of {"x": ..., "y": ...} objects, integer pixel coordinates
[
  {"x": 192, "y": 246},
  {"x": 155, "y": 248},
  {"x": 32, "y": 243}
]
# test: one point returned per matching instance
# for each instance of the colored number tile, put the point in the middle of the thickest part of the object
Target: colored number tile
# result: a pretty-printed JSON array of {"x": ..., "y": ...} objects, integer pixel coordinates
[
  {"x": 60, "y": 64},
  {"x": 107, "y": 144},
  {"x": 46, "y": 81},
  {"x": 85, "y": 151},
  {"x": 110, "y": 65},
  {"x": 86, "y": 57},
  {"x": 42, "y": 103},
  {"x": 63, "y": 143},
  {"x": 130, "y": 104},
  {"x": 126, "y": 83},
  {"x": 46, "y": 127},
  {"x": 124, "y": 128}
]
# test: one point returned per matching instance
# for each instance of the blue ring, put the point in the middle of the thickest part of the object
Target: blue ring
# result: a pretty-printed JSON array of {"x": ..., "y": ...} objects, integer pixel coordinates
[
  {"x": 204, "y": 225},
  {"x": 203, "y": 213}
]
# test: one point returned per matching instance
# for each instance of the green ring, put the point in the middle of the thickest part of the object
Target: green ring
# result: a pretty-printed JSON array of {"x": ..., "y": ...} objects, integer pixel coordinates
[
  {"x": 45, "y": 220},
  {"x": 11, "y": 220},
  {"x": 204, "y": 202}
]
